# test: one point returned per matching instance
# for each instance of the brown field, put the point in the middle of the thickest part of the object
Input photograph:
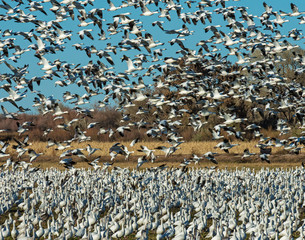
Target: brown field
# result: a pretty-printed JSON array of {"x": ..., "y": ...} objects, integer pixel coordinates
[{"x": 50, "y": 157}]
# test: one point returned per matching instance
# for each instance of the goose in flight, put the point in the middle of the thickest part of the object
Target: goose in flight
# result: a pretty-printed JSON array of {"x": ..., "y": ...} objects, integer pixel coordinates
[
  {"x": 22, "y": 128},
  {"x": 302, "y": 20},
  {"x": 106, "y": 55},
  {"x": 18, "y": 72},
  {"x": 195, "y": 158},
  {"x": 216, "y": 135},
  {"x": 67, "y": 162},
  {"x": 122, "y": 129},
  {"x": 128, "y": 153},
  {"x": 91, "y": 150},
  {"x": 149, "y": 152},
  {"x": 225, "y": 145},
  {"x": 247, "y": 154},
  {"x": 33, "y": 155},
  {"x": 295, "y": 11},
  {"x": 141, "y": 161},
  {"x": 130, "y": 65},
  {"x": 8, "y": 115},
  {"x": 210, "y": 156},
  {"x": 22, "y": 143},
  {"x": 228, "y": 40},
  {"x": 7, "y": 7},
  {"x": 164, "y": 13},
  {"x": 80, "y": 135},
  {"x": 149, "y": 42},
  {"x": 279, "y": 20},
  {"x": 145, "y": 11},
  {"x": 58, "y": 111},
  {"x": 112, "y": 7},
  {"x": 265, "y": 157},
  {"x": 35, "y": 6},
  {"x": 134, "y": 141},
  {"x": 117, "y": 148},
  {"x": 168, "y": 150},
  {"x": 92, "y": 125},
  {"x": 85, "y": 32},
  {"x": 3, "y": 154},
  {"x": 46, "y": 66},
  {"x": 60, "y": 146},
  {"x": 40, "y": 47},
  {"x": 94, "y": 163}
]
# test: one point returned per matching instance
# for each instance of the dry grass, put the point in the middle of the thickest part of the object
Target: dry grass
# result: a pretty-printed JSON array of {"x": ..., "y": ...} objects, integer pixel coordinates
[
  {"x": 50, "y": 157},
  {"x": 187, "y": 148}
]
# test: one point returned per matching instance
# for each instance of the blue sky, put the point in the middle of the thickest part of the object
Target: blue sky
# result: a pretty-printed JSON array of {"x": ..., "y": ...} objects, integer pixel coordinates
[{"x": 70, "y": 55}]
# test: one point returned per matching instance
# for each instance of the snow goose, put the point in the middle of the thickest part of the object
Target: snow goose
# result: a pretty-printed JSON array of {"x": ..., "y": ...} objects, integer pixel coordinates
[
  {"x": 247, "y": 154},
  {"x": 168, "y": 150},
  {"x": 33, "y": 155},
  {"x": 91, "y": 150},
  {"x": 46, "y": 66},
  {"x": 145, "y": 10},
  {"x": 7, "y": 114},
  {"x": 130, "y": 66},
  {"x": 112, "y": 7},
  {"x": 295, "y": 11},
  {"x": 119, "y": 233},
  {"x": 225, "y": 145}
]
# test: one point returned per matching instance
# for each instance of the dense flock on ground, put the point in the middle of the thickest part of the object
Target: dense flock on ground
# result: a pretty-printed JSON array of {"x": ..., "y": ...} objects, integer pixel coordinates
[
  {"x": 164, "y": 65},
  {"x": 156, "y": 204}
]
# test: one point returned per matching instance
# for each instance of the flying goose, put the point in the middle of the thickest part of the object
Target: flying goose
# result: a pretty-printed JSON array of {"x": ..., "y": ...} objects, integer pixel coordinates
[
  {"x": 3, "y": 154},
  {"x": 195, "y": 158},
  {"x": 85, "y": 32},
  {"x": 141, "y": 161},
  {"x": 210, "y": 157},
  {"x": 130, "y": 65},
  {"x": 112, "y": 7},
  {"x": 91, "y": 150},
  {"x": 265, "y": 157},
  {"x": 145, "y": 11},
  {"x": 67, "y": 162},
  {"x": 168, "y": 150},
  {"x": 134, "y": 141},
  {"x": 149, "y": 152},
  {"x": 33, "y": 155},
  {"x": 46, "y": 66},
  {"x": 8, "y": 115},
  {"x": 225, "y": 145},
  {"x": 247, "y": 154},
  {"x": 94, "y": 163},
  {"x": 295, "y": 11},
  {"x": 117, "y": 148}
]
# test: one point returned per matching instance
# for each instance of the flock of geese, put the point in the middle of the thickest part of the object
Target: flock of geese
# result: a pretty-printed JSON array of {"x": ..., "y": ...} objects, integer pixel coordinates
[
  {"x": 199, "y": 81},
  {"x": 157, "y": 203},
  {"x": 182, "y": 69}
]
